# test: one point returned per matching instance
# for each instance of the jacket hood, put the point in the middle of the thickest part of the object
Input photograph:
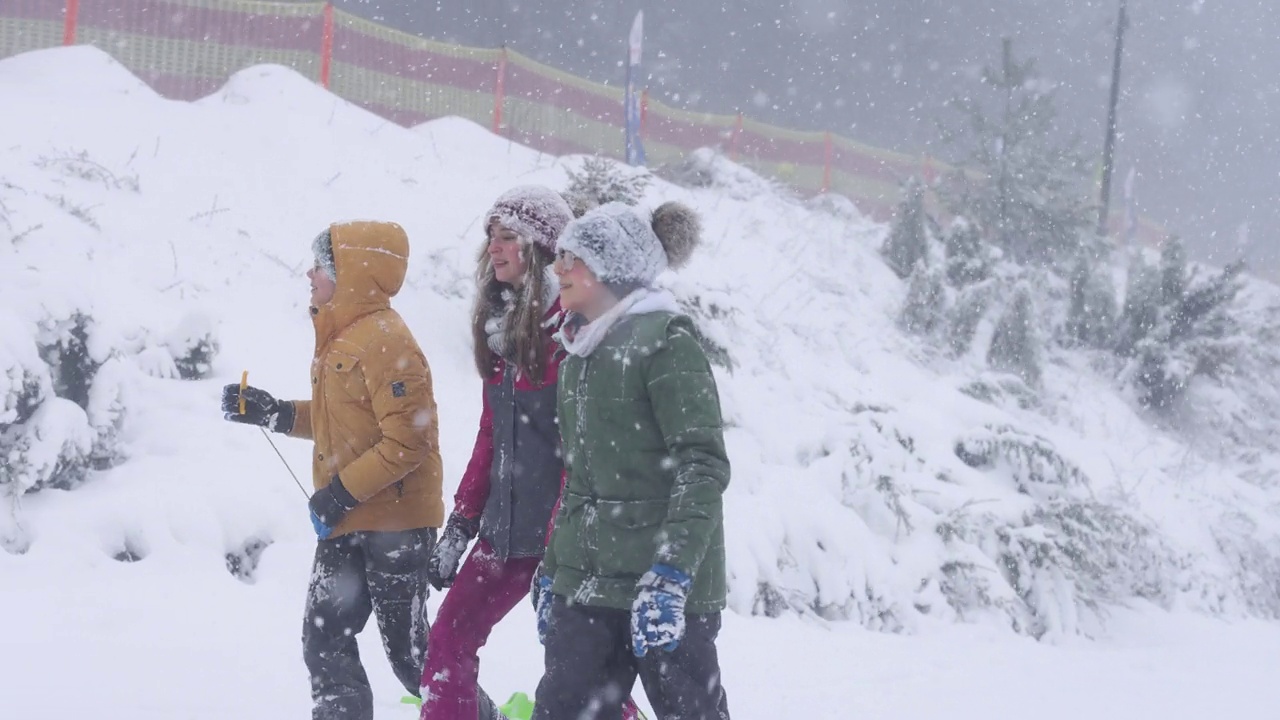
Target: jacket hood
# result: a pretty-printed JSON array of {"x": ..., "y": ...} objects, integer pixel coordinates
[{"x": 371, "y": 260}]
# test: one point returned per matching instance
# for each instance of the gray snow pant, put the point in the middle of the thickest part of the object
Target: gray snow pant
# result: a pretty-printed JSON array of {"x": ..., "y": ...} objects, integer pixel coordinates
[
  {"x": 353, "y": 575},
  {"x": 590, "y": 668}
]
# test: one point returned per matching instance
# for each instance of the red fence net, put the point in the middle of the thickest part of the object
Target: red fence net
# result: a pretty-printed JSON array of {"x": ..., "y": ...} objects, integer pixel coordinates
[{"x": 187, "y": 49}]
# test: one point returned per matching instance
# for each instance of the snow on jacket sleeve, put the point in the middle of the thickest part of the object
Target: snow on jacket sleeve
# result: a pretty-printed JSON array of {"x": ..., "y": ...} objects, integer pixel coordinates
[
  {"x": 301, "y": 420},
  {"x": 473, "y": 491},
  {"x": 686, "y": 405},
  {"x": 549, "y": 557},
  {"x": 400, "y": 393}
]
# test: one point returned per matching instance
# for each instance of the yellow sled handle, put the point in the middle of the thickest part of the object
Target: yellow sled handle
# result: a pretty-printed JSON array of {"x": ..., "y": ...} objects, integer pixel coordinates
[{"x": 244, "y": 383}]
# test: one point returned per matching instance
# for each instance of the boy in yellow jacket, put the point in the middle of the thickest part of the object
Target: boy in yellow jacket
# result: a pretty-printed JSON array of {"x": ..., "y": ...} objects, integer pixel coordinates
[{"x": 376, "y": 466}]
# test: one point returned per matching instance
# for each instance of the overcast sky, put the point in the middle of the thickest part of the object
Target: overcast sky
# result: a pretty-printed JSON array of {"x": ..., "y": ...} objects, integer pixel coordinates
[{"x": 1197, "y": 116}]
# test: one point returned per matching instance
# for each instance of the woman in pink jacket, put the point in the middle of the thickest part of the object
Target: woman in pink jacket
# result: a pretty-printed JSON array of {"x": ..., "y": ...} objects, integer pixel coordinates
[{"x": 514, "y": 477}]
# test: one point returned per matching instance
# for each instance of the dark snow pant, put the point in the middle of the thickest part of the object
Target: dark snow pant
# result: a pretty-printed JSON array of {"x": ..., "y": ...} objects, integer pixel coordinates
[
  {"x": 486, "y": 589},
  {"x": 590, "y": 668},
  {"x": 353, "y": 575}
]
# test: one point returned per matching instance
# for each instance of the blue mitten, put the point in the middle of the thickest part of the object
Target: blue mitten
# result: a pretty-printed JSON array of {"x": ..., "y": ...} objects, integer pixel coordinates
[
  {"x": 657, "y": 615},
  {"x": 328, "y": 506},
  {"x": 541, "y": 595}
]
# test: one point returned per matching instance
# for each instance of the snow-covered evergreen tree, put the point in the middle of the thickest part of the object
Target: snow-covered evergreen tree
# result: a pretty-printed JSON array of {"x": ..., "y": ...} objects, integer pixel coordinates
[
  {"x": 1195, "y": 334},
  {"x": 1142, "y": 304},
  {"x": 1015, "y": 347},
  {"x": 908, "y": 241},
  {"x": 925, "y": 306},
  {"x": 600, "y": 181},
  {"x": 1027, "y": 191},
  {"x": 1173, "y": 271},
  {"x": 962, "y": 321},
  {"x": 968, "y": 258},
  {"x": 1091, "y": 314}
]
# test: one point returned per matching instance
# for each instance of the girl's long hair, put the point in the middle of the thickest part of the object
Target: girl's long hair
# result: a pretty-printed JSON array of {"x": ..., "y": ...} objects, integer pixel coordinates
[{"x": 524, "y": 312}]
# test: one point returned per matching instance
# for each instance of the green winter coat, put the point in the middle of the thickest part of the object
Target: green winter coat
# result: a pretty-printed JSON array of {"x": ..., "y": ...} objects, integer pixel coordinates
[{"x": 645, "y": 465}]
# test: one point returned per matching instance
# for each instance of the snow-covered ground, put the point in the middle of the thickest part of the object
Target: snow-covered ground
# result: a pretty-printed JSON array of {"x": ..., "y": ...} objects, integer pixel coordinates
[{"x": 851, "y": 514}]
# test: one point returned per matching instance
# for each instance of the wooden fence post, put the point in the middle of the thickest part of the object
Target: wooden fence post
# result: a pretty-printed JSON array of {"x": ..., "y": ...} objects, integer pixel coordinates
[
  {"x": 500, "y": 92},
  {"x": 326, "y": 45},
  {"x": 69, "y": 22}
]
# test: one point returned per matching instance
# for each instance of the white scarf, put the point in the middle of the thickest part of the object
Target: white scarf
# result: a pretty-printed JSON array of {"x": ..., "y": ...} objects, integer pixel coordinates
[
  {"x": 496, "y": 326},
  {"x": 587, "y": 337}
]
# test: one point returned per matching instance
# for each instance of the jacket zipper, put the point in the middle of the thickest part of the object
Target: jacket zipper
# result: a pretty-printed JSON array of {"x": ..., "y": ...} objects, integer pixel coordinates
[{"x": 586, "y": 465}]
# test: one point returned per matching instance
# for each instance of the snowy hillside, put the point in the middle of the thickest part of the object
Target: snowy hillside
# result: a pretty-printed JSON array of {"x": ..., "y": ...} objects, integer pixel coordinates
[{"x": 876, "y": 484}]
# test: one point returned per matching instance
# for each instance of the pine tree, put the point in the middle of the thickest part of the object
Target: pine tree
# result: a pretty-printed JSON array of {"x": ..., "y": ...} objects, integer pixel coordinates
[
  {"x": 925, "y": 304},
  {"x": 970, "y": 307},
  {"x": 1028, "y": 194},
  {"x": 908, "y": 241},
  {"x": 968, "y": 261},
  {"x": 1175, "y": 330},
  {"x": 601, "y": 181},
  {"x": 1173, "y": 271},
  {"x": 1091, "y": 314},
  {"x": 1142, "y": 305},
  {"x": 1015, "y": 347}
]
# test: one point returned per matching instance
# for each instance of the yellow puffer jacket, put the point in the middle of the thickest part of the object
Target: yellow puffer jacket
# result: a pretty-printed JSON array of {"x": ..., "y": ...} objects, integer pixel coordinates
[{"x": 372, "y": 412}]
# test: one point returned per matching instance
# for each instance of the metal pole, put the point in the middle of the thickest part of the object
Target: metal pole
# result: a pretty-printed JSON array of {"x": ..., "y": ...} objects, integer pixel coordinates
[{"x": 1109, "y": 146}]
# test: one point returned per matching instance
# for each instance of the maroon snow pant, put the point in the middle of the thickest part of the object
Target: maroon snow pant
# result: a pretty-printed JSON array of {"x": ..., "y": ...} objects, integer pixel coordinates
[{"x": 486, "y": 589}]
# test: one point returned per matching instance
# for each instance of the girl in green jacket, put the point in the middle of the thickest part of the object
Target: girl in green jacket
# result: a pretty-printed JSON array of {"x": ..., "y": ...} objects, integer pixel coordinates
[{"x": 633, "y": 580}]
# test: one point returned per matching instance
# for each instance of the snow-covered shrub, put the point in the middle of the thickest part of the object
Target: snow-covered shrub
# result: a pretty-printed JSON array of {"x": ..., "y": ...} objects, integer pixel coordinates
[
  {"x": 1031, "y": 461},
  {"x": 194, "y": 346},
  {"x": 712, "y": 313},
  {"x": 1069, "y": 559},
  {"x": 707, "y": 168},
  {"x": 1254, "y": 562},
  {"x": 52, "y": 448},
  {"x": 64, "y": 346},
  {"x": 81, "y": 166},
  {"x": 835, "y": 571},
  {"x": 601, "y": 180},
  {"x": 1001, "y": 390},
  {"x": 1052, "y": 569}
]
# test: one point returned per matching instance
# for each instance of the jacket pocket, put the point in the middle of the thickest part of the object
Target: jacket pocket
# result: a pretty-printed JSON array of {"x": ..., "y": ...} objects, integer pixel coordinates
[
  {"x": 626, "y": 536},
  {"x": 344, "y": 382}
]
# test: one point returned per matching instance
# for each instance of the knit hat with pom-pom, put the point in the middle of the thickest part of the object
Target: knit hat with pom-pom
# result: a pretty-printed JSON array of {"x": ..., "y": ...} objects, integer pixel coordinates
[{"x": 625, "y": 250}]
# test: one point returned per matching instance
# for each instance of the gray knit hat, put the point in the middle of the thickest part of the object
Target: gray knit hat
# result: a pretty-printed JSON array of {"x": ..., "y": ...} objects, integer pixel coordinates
[
  {"x": 624, "y": 249},
  {"x": 537, "y": 214},
  {"x": 322, "y": 249}
]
